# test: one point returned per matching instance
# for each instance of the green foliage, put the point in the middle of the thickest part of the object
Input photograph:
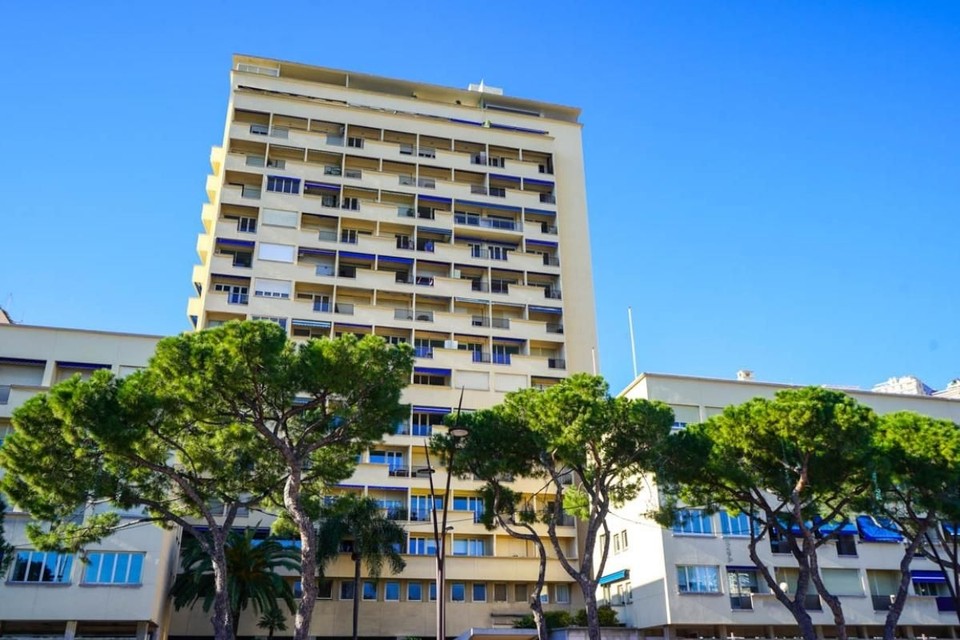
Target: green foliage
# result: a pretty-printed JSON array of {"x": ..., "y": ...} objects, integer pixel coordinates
[
  {"x": 272, "y": 620},
  {"x": 376, "y": 539},
  {"x": 553, "y": 620},
  {"x": 252, "y": 566},
  {"x": 606, "y": 613}
]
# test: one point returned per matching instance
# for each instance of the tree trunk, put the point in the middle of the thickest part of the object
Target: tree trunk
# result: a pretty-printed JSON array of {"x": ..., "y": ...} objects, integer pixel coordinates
[
  {"x": 308, "y": 553},
  {"x": 896, "y": 607},
  {"x": 795, "y": 607},
  {"x": 536, "y": 607},
  {"x": 590, "y": 602},
  {"x": 223, "y": 627},
  {"x": 356, "y": 594}
]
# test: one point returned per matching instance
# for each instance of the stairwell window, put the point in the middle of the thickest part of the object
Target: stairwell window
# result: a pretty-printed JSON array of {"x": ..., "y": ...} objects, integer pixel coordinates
[{"x": 281, "y": 184}]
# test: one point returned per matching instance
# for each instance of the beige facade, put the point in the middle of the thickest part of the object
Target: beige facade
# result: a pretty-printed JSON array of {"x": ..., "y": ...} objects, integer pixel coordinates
[
  {"x": 452, "y": 220},
  {"x": 650, "y": 568},
  {"x": 121, "y": 590}
]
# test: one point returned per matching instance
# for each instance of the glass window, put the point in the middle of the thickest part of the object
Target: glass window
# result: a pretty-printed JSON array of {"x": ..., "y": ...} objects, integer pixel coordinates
[
  {"x": 369, "y": 590},
  {"x": 42, "y": 567},
  {"x": 479, "y": 592},
  {"x": 623, "y": 539},
  {"x": 414, "y": 591},
  {"x": 433, "y": 591},
  {"x": 391, "y": 591},
  {"x": 698, "y": 579},
  {"x": 324, "y": 589},
  {"x": 500, "y": 592},
  {"x": 520, "y": 593},
  {"x": 740, "y": 584},
  {"x": 346, "y": 590},
  {"x": 113, "y": 568},
  {"x": 693, "y": 522},
  {"x": 283, "y": 185},
  {"x": 422, "y": 546},
  {"x": 458, "y": 592},
  {"x": 561, "y": 593},
  {"x": 738, "y": 525}
]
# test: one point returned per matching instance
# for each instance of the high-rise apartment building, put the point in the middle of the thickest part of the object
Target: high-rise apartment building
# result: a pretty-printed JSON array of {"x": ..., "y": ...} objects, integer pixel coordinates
[{"x": 452, "y": 220}]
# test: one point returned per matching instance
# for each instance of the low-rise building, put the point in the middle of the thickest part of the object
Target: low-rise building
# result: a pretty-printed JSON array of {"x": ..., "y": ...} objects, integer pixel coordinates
[{"x": 697, "y": 580}]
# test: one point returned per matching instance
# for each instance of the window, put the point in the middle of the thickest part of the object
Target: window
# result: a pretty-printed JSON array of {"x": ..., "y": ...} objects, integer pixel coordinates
[
  {"x": 421, "y": 511},
  {"x": 269, "y": 288},
  {"x": 276, "y": 252},
  {"x": 603, "y": 541},
  {"x": 282, "y": 322},
  {"x": 741, "y": 583},
  {"x": 356, "y": 143},
  {"x": 926, "y": 588},
  {"x": 697, "y": 578},
  {"x": 431, "y": 380},
  {"x": 500, "y": 592},
  {"x": 369, "y": 590},
  {"x": 113, "y": 568},
  {"x": 561, "y": 593},
  {"x": 422, "y": 546},
  {"x": 693, "y": 522},
  {"x": 479, "y": 592},
  {"x": 468, "y": 547},
  {"x": 324, "y": 589},
  {"x": 616, "y": 543},
  {"x": 42, "y": 567},
  {"x": 846, "y": 545},
  {"x": 346, "y": 590},
  {"x": 391, "y": 592},
  {"x": 414, "y": 591},
  {"x": 738, "y": 525},
  {"x": 423, "y": 423},
  {"x": 246, "y": 225},
  {"x": 520, "y": 593},
  {"x": 433, "y": 591},
  {"x": 458, "y": 592},
  {"x": 624, "y": 595},
  {"x": 623, "y": 539},
  {"x": 283, "y": 185},
  {"x": 471, "y": 503}
]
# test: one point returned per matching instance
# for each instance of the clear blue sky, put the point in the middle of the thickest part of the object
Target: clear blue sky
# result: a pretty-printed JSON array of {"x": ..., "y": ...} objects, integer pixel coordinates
[{"x": 772, "y": 185}]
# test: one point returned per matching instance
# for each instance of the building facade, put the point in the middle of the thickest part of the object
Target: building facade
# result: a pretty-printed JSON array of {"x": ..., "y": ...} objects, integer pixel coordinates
[
  {"x": 696, "y": 580},
  {"x": 451, "y": 220},
  {"x": 120, "y": 588}
]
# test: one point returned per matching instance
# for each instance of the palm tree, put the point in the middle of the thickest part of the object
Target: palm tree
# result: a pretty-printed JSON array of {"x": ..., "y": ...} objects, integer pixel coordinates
[
  {"x": 376, "y": 540},
  {"x": 252, "y": 575},
  {"x": 273, "y": 620}
]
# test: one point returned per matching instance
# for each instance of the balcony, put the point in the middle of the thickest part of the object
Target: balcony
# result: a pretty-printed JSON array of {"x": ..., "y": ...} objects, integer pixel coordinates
[
  {"x": 321, "y": 306},
  {"x": 238, "y": 298},
  {"x": 741, "y": 603},
  {"x": 423, "y": 352},
  {"x": 551, "y": 261},
  {"x": 556, "y": 363},
  {"x": 497, "y": 323},
  {"x": 882, "y": 603},
  {"x": 251, "y": 193},
  {"x": 486, "y": 223},
  {"x": 551, "y": 294},
  {"x": 548, "y": 198},
  {"x": 946, "y": 604},
  {"x": 553, "y": 327},
  {"x": 480, "y": 356},
  {"x": 343, "y": 308},
  {"x": 403, "y": 314},
  {"x": 500, "y": 358},
  {"x": 424, "y": 316},
  {"x": 4, "y": 393},
  {"x": 549, "y": 229}
]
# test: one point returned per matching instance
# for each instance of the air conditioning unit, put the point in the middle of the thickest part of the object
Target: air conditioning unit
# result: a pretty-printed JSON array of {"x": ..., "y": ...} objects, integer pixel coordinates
[{"x": 450, "y": 344}]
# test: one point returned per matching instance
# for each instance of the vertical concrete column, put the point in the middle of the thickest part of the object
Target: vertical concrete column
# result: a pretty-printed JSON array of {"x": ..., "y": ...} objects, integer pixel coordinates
[
  {"x": 819, "y": 629},
  {"x": 143, "y": 630},
  {"x": 49, "y": 369},
  {"x": 770, "y": 632},
  {"x": 70, "y": 632},
  {"x": 909, "y": 632},
  {"x": 722, "y": 631}
]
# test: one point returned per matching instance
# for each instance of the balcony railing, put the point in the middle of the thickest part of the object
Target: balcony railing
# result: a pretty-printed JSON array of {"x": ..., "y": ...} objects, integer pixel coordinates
[
  {"x": 554, "y": 327},
  {"x": 329, "y": 236},
  {"x": 238, "y": 298},
  {"x": 500, "y": 358},
  {"x": 353, "y": 173},
  {"x": 551, "y": 293},
  {"x": 336, "y": 141},
  {"x": 423, "y": 352},
  {"x": 489, "y": 223},
  {"x": 424, "y": 316},
  {"x": 811, "y": 602},
  {"x": 480, "y": 356},
  {"x": 477, "y": 285},
  {"x": 498, "y": 192},
  {"x": 4, "y": 393},
  {"x": 551, "y": 261},
  {"x": 347, "y": 271},
  {"x": 403, "y": 278},
  {"x": 322, "y": 306},
  {"x": 500, "y": 323},
  {"x": 406, "y": 212},
  {"x": 344, "y": 308},
  {"x": 399, "y": 472},
  {"x": 946, "y": 603},
  {"x": 259, "y": 129},
  {"x": 556, "y": 363},
  {"x": 484, "y": 159},
  {"x": 881, "y": 603},
  {"x": 549, "y": 198},
  {"x": 403, "y": 314},
  {"x": 548, "y": 229},
  {"x": 424, "y": 281},
  {"x": 427, "y": 183},
  {"x": 408, "y": 181},
  {"x": 478, "y": 189},
  {"x": 252, "y": 193},
  {"x": 741, "y": 603},
  {"x": 330, "y": 170}
]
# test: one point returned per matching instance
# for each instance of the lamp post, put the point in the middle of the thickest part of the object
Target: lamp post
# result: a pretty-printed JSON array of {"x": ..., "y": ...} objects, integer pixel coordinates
[{"x": 440, "y": 529}]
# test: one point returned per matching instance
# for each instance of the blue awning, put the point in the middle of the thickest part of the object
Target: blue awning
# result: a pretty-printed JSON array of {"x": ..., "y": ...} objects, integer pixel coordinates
[
  {"x": 542, "y": 183},
  {"x": 459, "y": 121},
  {"x": 92, "y": 366},
  {"x": 505, "y": 177},
  {"x": 359, "y": 256},
  {"x": 442, "y": 232},
  {"x": 23, "y": 362},
  {"x": 227, "y": 276},
  {"x": 559, "y": 311},
  {"x": 396, "y": 259},
  {"x": 382, "y": 488},
  {"x": 542, "y": 243},
  {"x": 356, "y": 326},
  {"x": 846, "y": 528},
  {"x": 321, "y": 185},
  {"x": 432, "y": 371},
  {"x": 487, "y": 205},
  {"x": 616, "y": 576},
  {"x": 541, "y": 212},
  {"x": 520, "y": 129},
  {"x": 873, "y": 531},
  {"x": 428, "y": 409},
  {"x": 487, "y": 241},
  {"x": 436, "y": 199},
  {"x": 514, "y": 340},
  {"x": 950, "y": 529},
  {"x": 928, "y": 576},
  {"x": 741, "y": 567},
  {"x": 308, "y": 251},
  {"x": 320, "y": 324},
  {"x": 230, "y": 242}
]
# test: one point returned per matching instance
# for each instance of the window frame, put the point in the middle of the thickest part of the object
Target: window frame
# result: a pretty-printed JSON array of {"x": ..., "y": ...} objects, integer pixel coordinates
[{"x": 689, "y": 575}]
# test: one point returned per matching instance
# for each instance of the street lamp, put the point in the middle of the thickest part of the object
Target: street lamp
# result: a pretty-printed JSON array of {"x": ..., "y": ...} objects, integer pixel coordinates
[{"x": 440, "y": 529}]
